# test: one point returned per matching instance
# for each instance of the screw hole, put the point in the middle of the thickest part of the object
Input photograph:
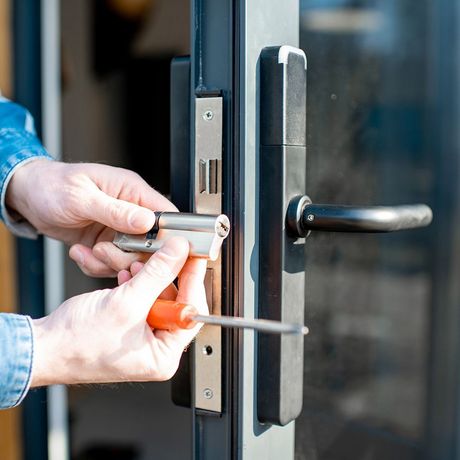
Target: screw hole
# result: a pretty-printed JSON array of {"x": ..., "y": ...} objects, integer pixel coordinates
[{"x": 207, "y": 350}]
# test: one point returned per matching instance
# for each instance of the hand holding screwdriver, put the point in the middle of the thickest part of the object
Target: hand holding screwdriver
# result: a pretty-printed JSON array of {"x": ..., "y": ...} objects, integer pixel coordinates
[
  {"x": 172, "y": 315},
  {"x": 102, "y": 336}
]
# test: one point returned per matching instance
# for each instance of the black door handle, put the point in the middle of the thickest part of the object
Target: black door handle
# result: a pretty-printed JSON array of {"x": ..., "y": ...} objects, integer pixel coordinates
[{"x": 303, "y": 216}]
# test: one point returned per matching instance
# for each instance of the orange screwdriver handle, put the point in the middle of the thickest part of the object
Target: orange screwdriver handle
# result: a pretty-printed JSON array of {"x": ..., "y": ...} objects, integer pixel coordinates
[{"x": 171, "y": 315}]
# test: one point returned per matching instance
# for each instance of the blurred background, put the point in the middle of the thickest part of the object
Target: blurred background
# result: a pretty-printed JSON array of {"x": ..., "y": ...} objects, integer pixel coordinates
[
  {"x": 114, "y": 108},
  {"x": 382, "y": 361}
]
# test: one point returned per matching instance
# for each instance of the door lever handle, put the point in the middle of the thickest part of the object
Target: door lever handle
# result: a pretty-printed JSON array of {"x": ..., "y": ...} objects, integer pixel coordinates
[
  {"x": 303, "y": 216},
  {"x": 281, "y": 252}
]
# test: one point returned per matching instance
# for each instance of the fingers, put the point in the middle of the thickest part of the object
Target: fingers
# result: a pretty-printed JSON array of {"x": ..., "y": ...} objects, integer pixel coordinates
[
  {"x": 105, "y": 259},
  {"x": 126, "y": 275},
  {"x": 118, "y": 214},
  {"x": 129, "y": 186},
  {"x": 123, "y": 276},
  {"x": 136, "y": 267},
  {"x": 156, "y": 275},
  {"x": 191, "y": 285},
  {"x": 191, "y": 291},
  {"x": 170, "y": 293},
  {"x": 192, "y": 277},
  {"x": 88, "y": 264},
  {"x": 151, "y": 199},
  {"x": 115, "y": 258}
]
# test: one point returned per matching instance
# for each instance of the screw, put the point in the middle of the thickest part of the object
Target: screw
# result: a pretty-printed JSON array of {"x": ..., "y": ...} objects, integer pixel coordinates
[
  {"x": 310, "y": 217},
  {"x": 208, "y": 115},
  {"x": 207, "y": 393},
  {"x": 207, "y": 350}
]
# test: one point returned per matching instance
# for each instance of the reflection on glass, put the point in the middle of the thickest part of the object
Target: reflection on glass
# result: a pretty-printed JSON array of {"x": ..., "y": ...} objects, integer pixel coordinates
[{"x": 368, "y": 297}]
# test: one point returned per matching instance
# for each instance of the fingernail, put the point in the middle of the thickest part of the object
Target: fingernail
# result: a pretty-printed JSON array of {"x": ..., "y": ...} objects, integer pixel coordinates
[
  {"x": 143, "y": 219},
  {"x": 79, "y": 256}
]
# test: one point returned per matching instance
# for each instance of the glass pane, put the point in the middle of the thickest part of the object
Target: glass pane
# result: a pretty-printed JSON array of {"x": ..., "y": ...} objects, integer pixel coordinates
[{"x": 369, "y": 297}]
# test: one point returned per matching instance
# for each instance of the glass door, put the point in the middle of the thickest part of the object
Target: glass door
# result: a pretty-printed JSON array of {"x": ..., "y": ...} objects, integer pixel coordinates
[{"x": 381, "y": 361}]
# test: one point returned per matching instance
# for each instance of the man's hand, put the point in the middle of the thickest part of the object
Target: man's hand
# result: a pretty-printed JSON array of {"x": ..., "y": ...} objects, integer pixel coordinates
[
  {"x": 103, "y": 336},
  {"x": 81, "y": 204}
]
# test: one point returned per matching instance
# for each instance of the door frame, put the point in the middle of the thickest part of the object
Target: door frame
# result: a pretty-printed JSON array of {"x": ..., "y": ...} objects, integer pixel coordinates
[{"x": 227, "y": 38}]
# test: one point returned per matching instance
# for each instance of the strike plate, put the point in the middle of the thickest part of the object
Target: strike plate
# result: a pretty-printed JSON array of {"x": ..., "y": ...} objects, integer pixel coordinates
[{"x": 208, "y": 200}]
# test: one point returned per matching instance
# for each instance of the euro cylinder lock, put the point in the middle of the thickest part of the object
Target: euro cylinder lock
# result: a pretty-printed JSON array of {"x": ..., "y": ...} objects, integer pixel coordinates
[{"x": 205, "y": 234}]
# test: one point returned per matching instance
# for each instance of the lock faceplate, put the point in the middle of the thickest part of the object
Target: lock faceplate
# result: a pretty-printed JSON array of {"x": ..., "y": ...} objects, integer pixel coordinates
[{"x": 208, "y": 200}]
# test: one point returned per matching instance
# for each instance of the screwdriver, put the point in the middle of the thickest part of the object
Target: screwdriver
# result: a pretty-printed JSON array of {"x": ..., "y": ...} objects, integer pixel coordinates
[{"x": 173, "y": 315}]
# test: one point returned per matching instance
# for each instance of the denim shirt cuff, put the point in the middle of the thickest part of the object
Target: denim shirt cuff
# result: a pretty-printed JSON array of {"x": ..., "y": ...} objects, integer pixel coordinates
[
  {"x": 24, "y": 147},
  {"x": 16, "y": 352}
]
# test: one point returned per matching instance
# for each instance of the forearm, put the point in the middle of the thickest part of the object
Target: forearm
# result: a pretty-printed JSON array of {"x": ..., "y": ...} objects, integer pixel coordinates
[{"x": 56, "y": 360}]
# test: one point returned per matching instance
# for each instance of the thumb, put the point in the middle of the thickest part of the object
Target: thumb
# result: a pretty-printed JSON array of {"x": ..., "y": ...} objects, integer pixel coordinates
[
  {"x": 157, "y": 274},
  {"x": 120, "y": 215}
]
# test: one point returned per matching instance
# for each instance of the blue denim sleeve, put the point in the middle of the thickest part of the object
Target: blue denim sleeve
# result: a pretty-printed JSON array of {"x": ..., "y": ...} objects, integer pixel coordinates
[
  {"x": 16, "y": 358},
  {"x": 18, "y": 145}
]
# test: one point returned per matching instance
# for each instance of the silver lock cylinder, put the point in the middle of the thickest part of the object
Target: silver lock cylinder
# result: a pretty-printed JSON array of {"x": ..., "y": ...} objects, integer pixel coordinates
[{"x": 205, "y": 234}]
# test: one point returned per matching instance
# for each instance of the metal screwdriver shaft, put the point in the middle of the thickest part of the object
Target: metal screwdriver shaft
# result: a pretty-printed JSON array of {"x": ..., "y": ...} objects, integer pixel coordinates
[
  {"x": 263, "y": 325},
  {"x": 172, "y": 315}
]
